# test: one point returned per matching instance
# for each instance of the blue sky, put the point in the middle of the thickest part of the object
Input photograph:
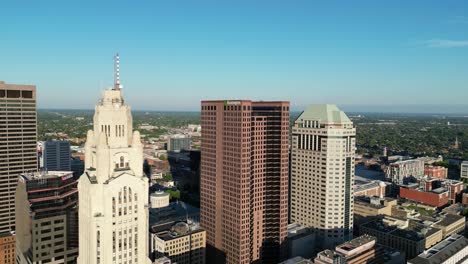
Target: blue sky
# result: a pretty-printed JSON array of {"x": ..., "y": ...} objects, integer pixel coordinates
[{"x": 357, "y": 54}]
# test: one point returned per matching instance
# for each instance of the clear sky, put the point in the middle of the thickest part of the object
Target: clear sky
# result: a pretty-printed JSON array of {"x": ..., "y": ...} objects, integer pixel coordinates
[{"x": 357, "y": 54}]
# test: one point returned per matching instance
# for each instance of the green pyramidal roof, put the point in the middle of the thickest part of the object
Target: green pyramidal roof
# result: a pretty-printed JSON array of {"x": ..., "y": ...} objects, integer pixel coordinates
[{"x": 326, "y": 113}]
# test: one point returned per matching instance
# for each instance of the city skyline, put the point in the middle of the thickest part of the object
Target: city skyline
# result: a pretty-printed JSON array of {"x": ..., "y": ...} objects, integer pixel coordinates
[
  {"x": 235, "y": 132},
  {"x": 276, "y": 51}
]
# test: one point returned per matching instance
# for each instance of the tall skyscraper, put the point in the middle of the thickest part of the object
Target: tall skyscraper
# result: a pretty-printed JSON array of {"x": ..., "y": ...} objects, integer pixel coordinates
[
  {"x": 113, "y": 200},
  {"x": 322, "y": 173},
  {"x": 244, "y": 180},
  {"x": 47, "y": 217},
  {"x": 56, "y": 155},
  {"x": 18, "y": 154}
]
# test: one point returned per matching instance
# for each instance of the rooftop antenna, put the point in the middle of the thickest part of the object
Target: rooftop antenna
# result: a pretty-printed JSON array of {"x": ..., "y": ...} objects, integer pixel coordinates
[{"x": 117, "y": 85}]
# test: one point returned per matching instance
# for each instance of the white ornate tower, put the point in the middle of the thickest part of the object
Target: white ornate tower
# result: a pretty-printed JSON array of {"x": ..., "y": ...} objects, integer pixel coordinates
[{"x": 113, "y": 191}]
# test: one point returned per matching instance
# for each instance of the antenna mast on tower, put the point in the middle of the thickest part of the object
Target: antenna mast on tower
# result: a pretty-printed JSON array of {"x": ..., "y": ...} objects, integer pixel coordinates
[{"x": 117, "y": 85}]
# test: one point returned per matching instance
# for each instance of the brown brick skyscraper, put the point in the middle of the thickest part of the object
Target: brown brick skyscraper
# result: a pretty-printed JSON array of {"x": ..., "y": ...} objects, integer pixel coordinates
[{"x": 244, "y": 180}]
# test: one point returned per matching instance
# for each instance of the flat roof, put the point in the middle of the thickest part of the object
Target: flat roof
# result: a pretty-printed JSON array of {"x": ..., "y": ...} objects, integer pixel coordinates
[
  {"x": 414, "y": 233},
  {"x": 442, "y": 250},
  {"x": 439, "y": 190},
  {"x": 357, "y": 242},
  {"x": 449, "y": 219},
  {"x": 184, "y": 230},
  {"x": 176, "y": 211},
  {"x": 45, "y": 175}
]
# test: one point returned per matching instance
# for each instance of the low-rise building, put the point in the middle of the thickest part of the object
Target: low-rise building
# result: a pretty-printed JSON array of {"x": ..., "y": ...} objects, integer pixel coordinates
[
  {"x": 450, "y": 224},
  {"x": 465, "y": 198},
  {"x": 370, "y": 208},
  {"x": 454, "y": 209},
  {"x": 372, "y": 188},
  {"x": 436, "y": 197},
  {"x": 7, "y": 248},
  {"x": 455, "y": 189},
  {"x": 412, "y": 239},
  {"x": 163, "y": 218},
  {"x": 297, "y": 260},
  {"x": 373, "y": 206},
  {"x": 464, "y": 170},
  {"x": 431, "y": 160},
  {"x": 435, "y": 171},
  {"x": 301, "y": 241},
  {"x": 329, "y": 256},
  {"x": 183, "y": 243},
  {"x": 398, "y": 171},
  {"x": 363, "y": 249},
  {"x": 452, "y": 250},
  {"x": 433, "y": 191},
  {"x": 163, "y": 260}
]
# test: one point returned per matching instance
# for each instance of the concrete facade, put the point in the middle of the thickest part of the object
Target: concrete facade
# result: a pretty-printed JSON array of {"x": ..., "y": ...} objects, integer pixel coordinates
[
  {"x": 113, "y": 201},
  {"x": 373, "y": 206},
  {"x": 398, "y": 171},
  {"x": 373, "y": 188},
  {"x": 403, "y": 235},
  {"x": 18, "y": 144},
  {"x": 182, "y": 244},
  {"x": 363, "y": 249},
  {"x": 452, "y": 250},
  {"x": 47, "y": 217},
  {"x": 322, "y": 173}
]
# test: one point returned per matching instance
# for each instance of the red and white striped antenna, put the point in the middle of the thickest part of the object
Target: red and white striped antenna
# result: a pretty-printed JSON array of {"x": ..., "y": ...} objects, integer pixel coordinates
[{"x": 117, "y": 85}]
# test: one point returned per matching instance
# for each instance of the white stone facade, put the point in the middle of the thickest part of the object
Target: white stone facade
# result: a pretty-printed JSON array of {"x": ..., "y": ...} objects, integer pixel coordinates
[
  {"x": 113, "y": 191},
  {"x": 159, "y": 199},
  {"x": 322, "y": 173}
]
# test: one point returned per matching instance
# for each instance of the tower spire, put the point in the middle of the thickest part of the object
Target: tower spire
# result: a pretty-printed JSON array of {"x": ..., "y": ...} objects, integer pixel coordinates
[{"x": 117, "y": 85}]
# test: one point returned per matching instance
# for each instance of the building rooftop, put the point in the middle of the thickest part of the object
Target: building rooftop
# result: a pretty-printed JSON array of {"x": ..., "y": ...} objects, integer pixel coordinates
[
  {"x": 297, "y": 260},
  {"x": 326, "y": 113},
  {"x": 361, "y": 185},
  {"x": 439, "y": 190},
  {"x": 442, "y": 251},
  {"x": 415, "y": 234},
  {"x": 159, "y": 194},
  {"x": 7, "y": 234},
  {"x": 412, "y": 232},
  {"x": 450, "y": 219},
  {"x": 366, "y": 202},
  {"x": 357, "y": 242},
  {"x": 46, "y": 175},
  {"x": 404, "y": 162},
  {"x": 179, "y": 229},
  {"x": 296, "y": 231},
  {"x": 329, "y": 254},
  {"x": 166, "y": 216}
]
